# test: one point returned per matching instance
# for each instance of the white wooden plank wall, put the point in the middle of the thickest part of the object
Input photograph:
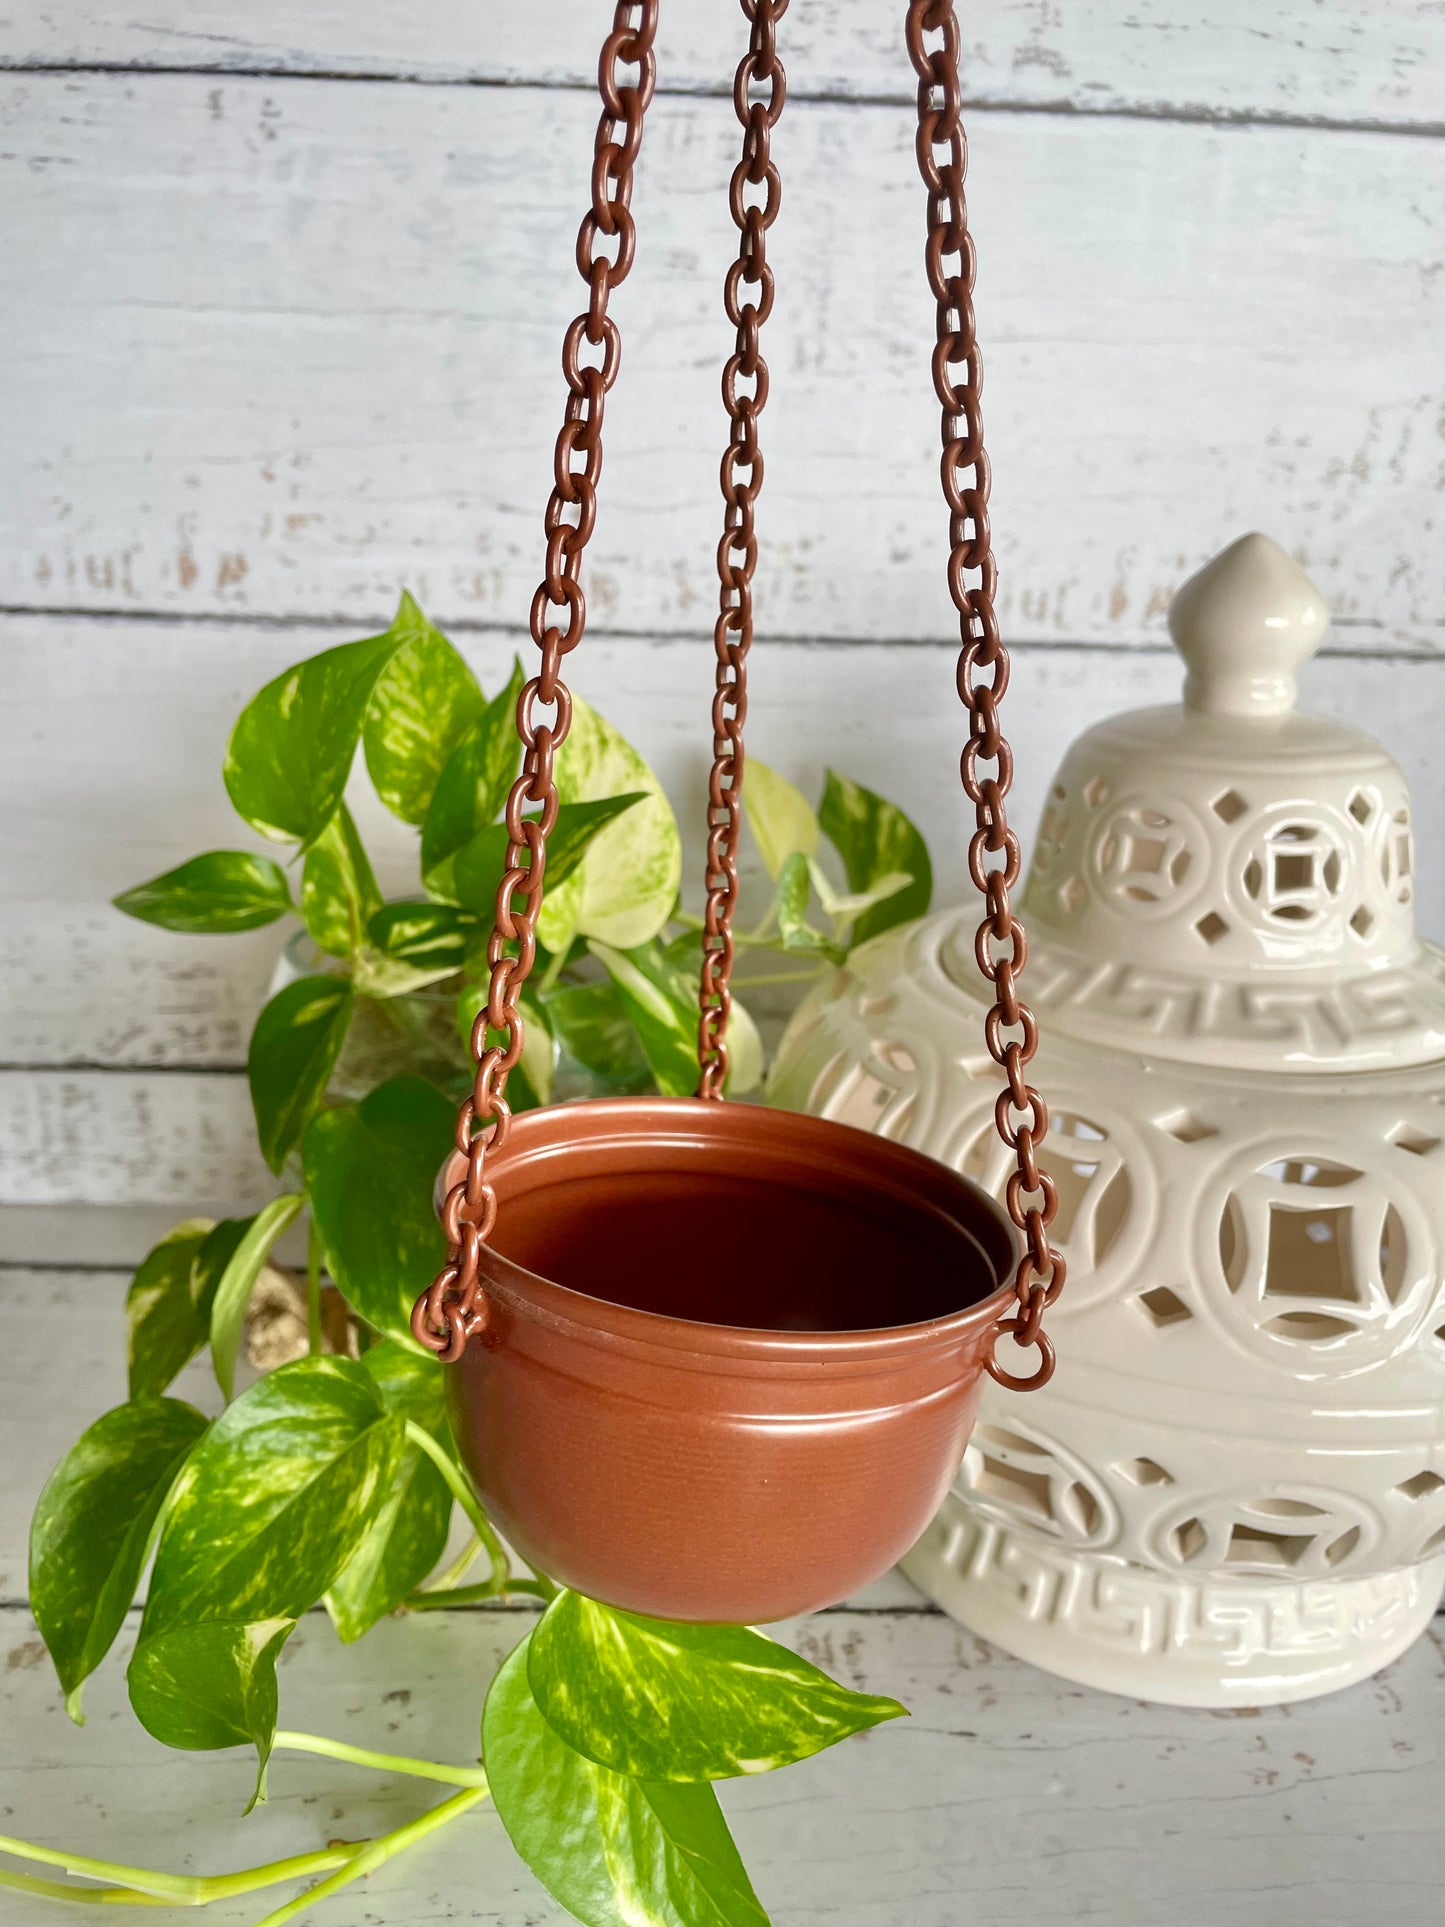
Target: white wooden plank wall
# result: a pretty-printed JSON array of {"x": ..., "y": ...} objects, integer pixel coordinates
[
  {"x": 281, "y": 304},
  {"x": 1267, "y": 59}
]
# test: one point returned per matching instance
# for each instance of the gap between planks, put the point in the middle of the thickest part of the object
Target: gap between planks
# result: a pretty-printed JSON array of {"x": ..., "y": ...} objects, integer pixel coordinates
[
  {"x": 271, "y": 622},
  {"x": 1214, "y": 117}
]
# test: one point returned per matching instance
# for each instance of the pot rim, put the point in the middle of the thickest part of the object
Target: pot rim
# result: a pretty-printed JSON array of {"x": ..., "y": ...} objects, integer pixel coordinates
[{"x": 704, "y": 1125}]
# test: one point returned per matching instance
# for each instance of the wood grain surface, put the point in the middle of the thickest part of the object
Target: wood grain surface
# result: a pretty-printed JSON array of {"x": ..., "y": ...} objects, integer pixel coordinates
[
  {"x": 1008, "y": 1798},
  {"x": 281, "y": 310}
]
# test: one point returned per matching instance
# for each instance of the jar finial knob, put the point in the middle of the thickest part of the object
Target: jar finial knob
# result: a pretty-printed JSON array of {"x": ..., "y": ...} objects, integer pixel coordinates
[{"x": 1244, "y": 624}]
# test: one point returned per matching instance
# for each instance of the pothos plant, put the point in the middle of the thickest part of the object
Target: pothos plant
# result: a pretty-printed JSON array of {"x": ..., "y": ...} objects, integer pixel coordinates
[{"x": 332, "y": 1479}]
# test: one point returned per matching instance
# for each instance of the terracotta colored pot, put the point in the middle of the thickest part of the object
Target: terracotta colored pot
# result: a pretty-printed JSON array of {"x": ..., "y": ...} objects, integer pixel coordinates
[{"x": 731, "y": 1356}]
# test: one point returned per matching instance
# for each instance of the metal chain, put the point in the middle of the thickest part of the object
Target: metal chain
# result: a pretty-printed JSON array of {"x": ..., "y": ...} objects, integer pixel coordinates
[
  {"x": 1000, "y": 945},
  {"x": 737, "y": 553},
  {"x": 452, "y": 1308}
]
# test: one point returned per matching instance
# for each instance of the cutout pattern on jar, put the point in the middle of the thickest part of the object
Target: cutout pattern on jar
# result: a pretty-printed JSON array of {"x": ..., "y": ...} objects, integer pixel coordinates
[
  {"x": 1294, "y": 873},
  {"x": 1315, "y": 1251},
  {"x": 1270, "y": 1535},
  {"x": 1024, "y": 1478},
  {"x": 1093, "y": 1182},
  {"x": 1144, "y": 858},
  {"x": 1397, "y": 858}
]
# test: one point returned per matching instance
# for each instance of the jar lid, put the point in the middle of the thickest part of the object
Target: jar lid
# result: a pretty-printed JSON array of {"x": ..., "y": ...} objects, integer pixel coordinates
[{"x": 1227, "y": 880}]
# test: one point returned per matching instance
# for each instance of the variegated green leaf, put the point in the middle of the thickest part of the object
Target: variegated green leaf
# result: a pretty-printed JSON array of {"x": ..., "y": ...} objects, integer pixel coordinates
[
  {"x": 844, "y": 905},
  {"x": 293, "y": 746},
  {"x": 595, "y": 1037},
  {"x": 339, "y": 894},
  {"x": 477, "y": 866},
  {"x": 429, "y": 939},
  {"x": 779, "y": 816},
  {"x": 747, "y": 1059},
  {"x": 267, "y": 1512},
  {"x": 234, "y": 1287},
  {"x": 614, "y": 1851},
  {"x": 656, "y": 999},
  {"x": 220, "y": 891},
  {"x": 426, "y": 700},
  {"x": 91, "y": 1533},
  {"x": 665, "y": 1701},
  {"x": 746, "y": 1056},
  {"x": 205, "y": 1687},
  {"x": 875, "y": 839},
  {"x": 795, "y": 885},
  {"x": 370, "y": 1168},
  {"x": 293, "y": 1051},
  {"x": 472, "y": 787},
  {"x": 625, "y": 888},
  {"x": 167, "y": 1317},
  {"x": 407, "y": 1532}
]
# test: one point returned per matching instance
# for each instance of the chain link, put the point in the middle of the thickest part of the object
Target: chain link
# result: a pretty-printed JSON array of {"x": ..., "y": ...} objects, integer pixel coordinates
[
  {"x": 737, "y": 553},
  {"x": 452, "y": 1308},
  {"x": 1001, "y": 946}
]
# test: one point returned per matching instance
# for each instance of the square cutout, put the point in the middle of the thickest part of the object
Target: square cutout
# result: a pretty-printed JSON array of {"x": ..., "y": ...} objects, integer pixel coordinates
[
  {"x": 1161, "y": 1306},
  {"x": 1424, "y": 1485},
  {"x": 1293, "y": 870},
  {"x": 1310, "y": 1254},
  {"x": 1251, "y": 1545}
]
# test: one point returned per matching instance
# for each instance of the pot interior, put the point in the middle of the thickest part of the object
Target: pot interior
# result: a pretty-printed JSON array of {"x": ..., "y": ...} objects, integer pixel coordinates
[{"x": 799, "y": 1226}]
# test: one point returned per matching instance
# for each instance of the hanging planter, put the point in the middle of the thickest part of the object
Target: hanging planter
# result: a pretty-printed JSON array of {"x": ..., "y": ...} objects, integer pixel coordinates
[
  {"x": 668, "y": 1183},
  {"x": 738, "y": 1433}
]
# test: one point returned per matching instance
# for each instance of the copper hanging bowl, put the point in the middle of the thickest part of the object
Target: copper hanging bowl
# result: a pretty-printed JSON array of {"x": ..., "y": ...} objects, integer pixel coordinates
[
  {"x": 709, "y": 1361},
  {"x": 730, "y": 1356}
]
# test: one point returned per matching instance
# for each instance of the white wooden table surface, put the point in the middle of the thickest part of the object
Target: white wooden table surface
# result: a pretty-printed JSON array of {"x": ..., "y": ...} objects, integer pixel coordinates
[{"x": 1007, "y": 1799}]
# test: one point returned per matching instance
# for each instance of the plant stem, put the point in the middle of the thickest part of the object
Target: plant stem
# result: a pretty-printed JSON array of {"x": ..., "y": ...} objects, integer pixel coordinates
[
  {"x": 459, "y": 1568},
  {"x": 229, "y": 1886},
  {"x": 465, "y": 1498},
  {"x": 375, "y": 1854},
  {"x": 554, "y": 970},
  {"x": 173, "y": 1889},
  {"x": 464, "y": 1776},
  {"x": 779, "y": 977},
  {"x": 25, "y": 1883},
  {"x": 742, "y": 939},
  {"x": 143, "y": 1887},
  {"x": 313, "y": 1289},
  {"x": 441, "y": 1598}
]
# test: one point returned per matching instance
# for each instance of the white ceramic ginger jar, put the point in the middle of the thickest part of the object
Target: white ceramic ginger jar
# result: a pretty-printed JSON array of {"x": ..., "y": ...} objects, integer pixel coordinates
[{"x": 1233, "y": 1491}]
